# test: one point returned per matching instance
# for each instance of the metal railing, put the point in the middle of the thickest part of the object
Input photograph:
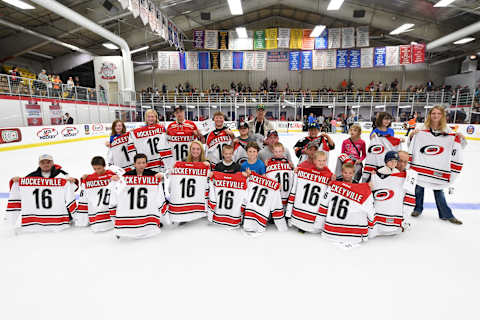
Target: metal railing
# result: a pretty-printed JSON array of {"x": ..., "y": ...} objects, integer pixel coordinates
[{"x": 35, "y": 88}]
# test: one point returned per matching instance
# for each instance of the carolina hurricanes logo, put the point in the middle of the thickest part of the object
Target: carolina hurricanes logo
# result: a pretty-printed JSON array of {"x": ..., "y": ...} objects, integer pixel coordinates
[
  {"x": 376, "y": 149},
  {"x": 383, "y": 194},
  {"x": 432, "y": 150}
]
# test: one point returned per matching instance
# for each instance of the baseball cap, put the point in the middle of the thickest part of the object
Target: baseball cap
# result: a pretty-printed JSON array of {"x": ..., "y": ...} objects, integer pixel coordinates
[
  {"x": 45, "y": 157},
  {"x": 313, "y": 126},
  {"x": 260, "y": 106},
  {"x": 391, "y": 155},
  {"x": 178, "y": 107},
  {"x": 243, "y": 124},
  {"x": 272, "y": 132}
]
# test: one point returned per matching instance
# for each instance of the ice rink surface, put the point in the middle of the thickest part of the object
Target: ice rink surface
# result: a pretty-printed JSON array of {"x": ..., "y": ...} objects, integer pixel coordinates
[{"x": 198, "y": 271}]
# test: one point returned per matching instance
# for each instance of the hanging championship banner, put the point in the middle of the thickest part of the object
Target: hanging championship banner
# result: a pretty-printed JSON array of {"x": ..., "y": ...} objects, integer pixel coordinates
[
  {"x": 249, "y": 60},
  {"x": 236, "y": 43},
  {"x": 418, "y": 53},
  {"x": 319, "y": 59},
  {"x": 271, "y": 38},
  {"x": 334, "y": 37},
  {"x": 259, "y": 40},
  {"x": 124, "y": 3},
  {"x": 226, "y": 60},
  {"x": 203, "y": 61},
  {"x": 232, "y": 40},
  {"x": 238, "y": 60},
  {"x": 342, "y": 58},
  {"x": 152, "y": 21},
  {"x": 307, "y": 42},
  {"x": 135, "y": 8},
  {"x": 198, "y": 39},
  {"x": 183, "y": 64},
  {"x": 175, "y": 35},
  {"x": 165, "y": 27},
  {"x": 294, "y": 60},
  {"x": 215, "y": 60},
  {"x": 211, "y": 39},
  {"x": 306, "y": 60},
  {"x": 348, "y": 37},
  {"x": 283, "y": 38},
  {"x": 223, "y": 40},
  {"x": 296, "y": 38},
  {"x": 191, "y": 58},
  {"x": 366, "y": 58},
  {"x": 379, "y": 57},
  {"x": 174, "y": 61},
  {"x": 55, "y": 113},
  {"x": 158, "y": 16},
  {"x": 331, "y": 61},
  {"x": 144, "y": 11},
  {"x": 405, "y": 54},
  {"x": 392, "y": 56},
  {"x": 363, "y": 37},
  {"x": 170, "y": 33},
  {"x": 354, "y": 58},
  {"x": 277, "y": 56},
  {"x": 163, "y": 60},
  {"x": 260, "y": 60},
  {"x": 321, "y": 42}
]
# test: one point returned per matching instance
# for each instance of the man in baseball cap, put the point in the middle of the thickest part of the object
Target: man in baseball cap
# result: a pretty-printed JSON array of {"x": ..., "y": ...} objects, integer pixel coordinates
[
  {"x": 267, "y": 152},
  {"x": 47, "y": 169},
  {"x": 260, "y": 125}
]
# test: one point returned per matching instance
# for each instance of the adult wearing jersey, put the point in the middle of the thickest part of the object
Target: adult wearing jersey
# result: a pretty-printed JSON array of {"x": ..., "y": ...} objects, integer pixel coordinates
[
  {"x": 216, "y": 139},
  {"x": 436, "y": 122},
  {"x": 180, "y": 133},
  {"x": 151, "y": 140},
  {"x": 324, "y": 141},
  {"x": 260, "y": 125}
]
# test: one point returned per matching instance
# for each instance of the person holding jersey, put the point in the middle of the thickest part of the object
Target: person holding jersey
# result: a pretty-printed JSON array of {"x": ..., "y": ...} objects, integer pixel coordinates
[
  {"x": 436, "y": 123},
  {"x": 196, "y": 153},
  {"x": 118, "y": 129},
  {"x": 220, "y": 137},
  {"x": 180, "y": 133},
  {"x": 383, "y": 121}
]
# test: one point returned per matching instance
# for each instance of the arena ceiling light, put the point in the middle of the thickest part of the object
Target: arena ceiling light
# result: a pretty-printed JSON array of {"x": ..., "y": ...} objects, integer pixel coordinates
[
  {"x": 317, "y": 31},
  {"x": 403, "y": 28},
  {"x": 464, "y": 40},
  {"x": 235, "y": 7},
  {"x": 110, "y": 46},
  {"x": 19, "y": 4},
  {"x": 443, "y": 3},
  {"x": 382, "y": 106},
  {"x": 241, "y": 32},
  {"x": 139, "y": 49},
  {"x": 335, "y": 4}
]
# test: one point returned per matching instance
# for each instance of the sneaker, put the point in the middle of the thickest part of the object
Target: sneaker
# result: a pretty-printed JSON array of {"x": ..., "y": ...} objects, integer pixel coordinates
[
  {"x": 455, "y": 221},
  {"x": 416, "y": 213}
]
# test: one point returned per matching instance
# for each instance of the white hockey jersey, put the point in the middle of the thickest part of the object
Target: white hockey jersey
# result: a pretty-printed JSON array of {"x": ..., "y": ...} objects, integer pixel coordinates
[
  {"x": 239, "y": 153},
  {"x": 392, "y": 203},
  {"x": 138, "y": 206},
  {"x": 215, "y": 141},
  {"x": 227, "y": 194},
  {"x": 347, "y": 210},
  {"x": 379, "y": 146},
  {"x": 152, "y": 141},
  {"x": 188, "y": 186},
  {"x": 94, "y": 203},
  {"x": 438, "y": 158},
  {"x": 280, "y": 170},
  {"x": 41, "y": 204},
  {"x": 304, "y": 200},
  {"x": 263, "y": 200},
  {"x": 121, "y": 152}
]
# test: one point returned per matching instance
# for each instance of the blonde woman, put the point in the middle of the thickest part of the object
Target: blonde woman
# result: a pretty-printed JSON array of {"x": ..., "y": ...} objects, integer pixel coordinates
[
  {"x": 436, "y": 123},
  {"x": 196, "y": 153},
  {"x": 151, "y": 140}
]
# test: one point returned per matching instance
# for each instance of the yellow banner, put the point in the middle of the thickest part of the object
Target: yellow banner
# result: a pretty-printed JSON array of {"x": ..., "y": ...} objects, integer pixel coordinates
[
  {"x": 296, "y": 38},
  {"x": 271, "y": 38}
]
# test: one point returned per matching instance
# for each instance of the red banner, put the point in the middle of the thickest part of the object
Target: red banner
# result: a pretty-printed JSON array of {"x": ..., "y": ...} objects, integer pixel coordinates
[
  {"x": 405, "y": 54},
  {"x": 55, "y": 113},
  {"x": 33, "y": 113},
  {"x": 10, "y": 135},
  {"x": 308, "y": 43},
  {"x": 418, "y": 53}
]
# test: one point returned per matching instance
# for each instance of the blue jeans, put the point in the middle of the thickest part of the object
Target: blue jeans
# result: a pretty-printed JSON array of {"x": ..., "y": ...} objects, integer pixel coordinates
[{"x": 444, "y": 211}]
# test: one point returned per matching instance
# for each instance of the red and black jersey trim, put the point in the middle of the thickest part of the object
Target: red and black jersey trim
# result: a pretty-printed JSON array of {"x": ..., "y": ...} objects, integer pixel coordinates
[
  {"x": 344, "y": 230},
  {"x": 137, "y": 221},
  {"x": 186, "y": 208},
  {"x": 14, "y": 205},
  {"x": 409, "y": 200},
  {"x": 45, "y": 220},
  {"x": 251, "y": 214},
  {"x": 303, "y": 215},
  {"x": 386, "y": 220},
  {"x": 232, "y": 221},
  {"x": 430, "y": 172},
  {"x": 99, "y": 217},
  {"x": 278, "y": 213},
  {"x": 456, "y": 166}
]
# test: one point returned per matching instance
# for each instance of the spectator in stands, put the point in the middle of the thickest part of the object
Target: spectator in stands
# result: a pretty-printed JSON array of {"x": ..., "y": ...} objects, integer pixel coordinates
[
  {"x": 333, "y": 124},
  {"x": 343, "y": 85},
  {"x": 42, "y": 82},
  {"x": 311, "y": 119},
  {"x": 76, "y": 80},
  {"x": 260, "y": 125},
  {"x": 15, "y": 78},
  {"x": 67, "y": 119},
  {"x": 57, "y": 83}
]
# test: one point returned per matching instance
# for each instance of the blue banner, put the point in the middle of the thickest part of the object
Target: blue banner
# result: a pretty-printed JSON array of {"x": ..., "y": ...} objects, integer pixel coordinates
[
  {"x": 294, "y": 60},
  {"x": 354, "y": 58},
  {"x": 306, "y": 60},
  {"x": 183, "y": 65},
  {"x": 203, "y": 61},
  {"x": 342, "y": 58},
  {"x": 379, "y": 57},
  {"x": 238, "y": 60},
  {"x": 322, "y": 41}
]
